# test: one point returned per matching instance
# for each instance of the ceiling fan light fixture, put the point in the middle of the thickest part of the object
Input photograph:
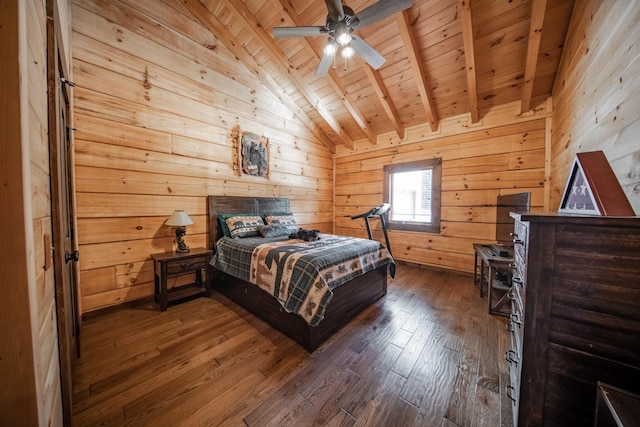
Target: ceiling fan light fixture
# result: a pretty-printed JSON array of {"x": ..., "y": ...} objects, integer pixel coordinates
[
  {"x": 344, "y": 38},
  {"x": 331, "y": 48},
  {"x": 347, "y": 52}
]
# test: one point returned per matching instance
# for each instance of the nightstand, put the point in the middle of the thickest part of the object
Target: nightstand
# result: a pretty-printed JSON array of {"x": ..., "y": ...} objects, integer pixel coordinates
[{"x": 173, "y": 264}]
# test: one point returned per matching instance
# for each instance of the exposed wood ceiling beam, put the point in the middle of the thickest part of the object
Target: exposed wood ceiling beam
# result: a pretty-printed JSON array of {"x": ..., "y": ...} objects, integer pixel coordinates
[
  {"x": 411, "y": 46},
  {"x": 538, "y": 8},
  {"x": 385, "y": 100},
  {"x": 206, "y": 18},
  {"x": 464, "y": 9},
  {"x": 334, "y": 80},
  {"x": 279, "y": 58}
]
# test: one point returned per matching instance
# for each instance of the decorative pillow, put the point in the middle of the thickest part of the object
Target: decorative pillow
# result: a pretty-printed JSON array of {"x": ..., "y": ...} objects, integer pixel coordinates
[
  {"x": 244, "y": 226},
  {"x": 222, "y": 219},
  {"x": 283, "y": 219},
  {"x": 274, "y": 230}
]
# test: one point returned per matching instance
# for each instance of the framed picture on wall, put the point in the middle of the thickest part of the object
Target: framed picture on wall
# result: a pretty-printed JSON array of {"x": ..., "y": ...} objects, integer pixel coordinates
[
  {"x": 251, "y": 153},
  {"x": 593, "y": 189}
]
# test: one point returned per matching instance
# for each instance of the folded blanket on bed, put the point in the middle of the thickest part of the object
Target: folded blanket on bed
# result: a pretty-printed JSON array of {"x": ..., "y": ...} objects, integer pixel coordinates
[{"x": 306, "y": 235}]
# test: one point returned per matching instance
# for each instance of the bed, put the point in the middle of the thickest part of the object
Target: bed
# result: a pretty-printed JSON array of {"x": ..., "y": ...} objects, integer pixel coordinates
[{"x": 346, "y": 300}]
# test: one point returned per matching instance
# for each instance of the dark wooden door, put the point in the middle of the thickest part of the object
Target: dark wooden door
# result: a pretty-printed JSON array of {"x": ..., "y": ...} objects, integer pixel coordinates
[{"x": 62, "y": 213}]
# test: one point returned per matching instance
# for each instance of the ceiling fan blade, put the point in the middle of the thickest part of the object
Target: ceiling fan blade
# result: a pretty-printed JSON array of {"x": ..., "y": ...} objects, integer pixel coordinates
[
  {"x": 366, "y": 52},
  {"x": 335, "y": 9},
  {"x": 283, "y": 32},
  {"x": 380, "y": 10},
  {"x": 324, "y": 65}
]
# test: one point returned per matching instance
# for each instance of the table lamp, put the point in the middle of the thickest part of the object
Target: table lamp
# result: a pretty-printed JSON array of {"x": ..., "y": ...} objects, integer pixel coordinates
[{"x": 180, "y": 219}]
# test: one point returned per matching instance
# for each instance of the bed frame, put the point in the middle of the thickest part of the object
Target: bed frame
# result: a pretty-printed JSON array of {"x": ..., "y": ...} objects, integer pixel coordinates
[{"x": 348, "y": 299}]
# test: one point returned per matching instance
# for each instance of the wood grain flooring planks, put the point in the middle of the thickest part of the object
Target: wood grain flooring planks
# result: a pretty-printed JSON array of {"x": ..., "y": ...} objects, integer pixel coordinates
[{"x": 427, "y": 354}]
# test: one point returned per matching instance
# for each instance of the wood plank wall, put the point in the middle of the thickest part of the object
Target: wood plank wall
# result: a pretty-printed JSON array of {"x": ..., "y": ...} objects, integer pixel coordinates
[
  {"x": 156, "y": 100},
  {"x": 597, "y": 94},
  {"x": 29, "y": 365},
  {"x": 502, "y": 154}
]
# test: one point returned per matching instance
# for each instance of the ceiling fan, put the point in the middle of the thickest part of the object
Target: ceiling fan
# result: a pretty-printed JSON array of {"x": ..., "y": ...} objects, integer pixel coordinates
[{"x": 341, "y": 21}]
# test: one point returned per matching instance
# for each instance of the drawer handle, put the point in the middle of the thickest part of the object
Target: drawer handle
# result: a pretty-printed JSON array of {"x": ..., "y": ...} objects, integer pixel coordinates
[
  {"x": 516, "y": 240},
  {"x": 509, "y": 356},
  {"x": 515, "y": 318},
  {"x": 509, "y": 393},
  {"x": 517, "y": 280},
  {"x": 512, "y": 265},
  {"x": 511, "y": 296},
  {"x": 186, "y": 265},
  {"x": 509, "y": 326}
]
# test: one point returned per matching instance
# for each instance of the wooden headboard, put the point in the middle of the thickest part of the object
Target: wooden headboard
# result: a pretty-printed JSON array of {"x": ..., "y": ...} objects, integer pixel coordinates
[{"x": 217, "y": 205}]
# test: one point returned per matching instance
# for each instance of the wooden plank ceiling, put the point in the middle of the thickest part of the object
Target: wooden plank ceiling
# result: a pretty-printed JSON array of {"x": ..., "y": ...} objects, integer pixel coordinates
[{"x": 443, "y": 58}]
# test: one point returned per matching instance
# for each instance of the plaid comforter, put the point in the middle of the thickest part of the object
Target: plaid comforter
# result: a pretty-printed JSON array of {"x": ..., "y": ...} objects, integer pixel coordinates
[{"x": 301, "y": 275}]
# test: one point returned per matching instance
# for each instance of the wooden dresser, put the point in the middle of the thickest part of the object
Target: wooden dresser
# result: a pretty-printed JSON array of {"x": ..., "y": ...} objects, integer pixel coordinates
[{"x": 575, "y": 315}]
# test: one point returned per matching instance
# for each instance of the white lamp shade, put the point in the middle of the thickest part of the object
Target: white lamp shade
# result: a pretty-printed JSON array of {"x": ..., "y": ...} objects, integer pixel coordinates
[
  {"x": 343, "y": 39},
  {"x": 330, "y": 48},
  {"x": 347, "y": 52},
  {"x": 179, "y": 219}
]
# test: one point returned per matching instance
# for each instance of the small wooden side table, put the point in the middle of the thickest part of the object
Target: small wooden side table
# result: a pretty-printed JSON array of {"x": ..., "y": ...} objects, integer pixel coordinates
[
  {"x": 484, "y": 272},
  {"x": 174, "y": 264}
]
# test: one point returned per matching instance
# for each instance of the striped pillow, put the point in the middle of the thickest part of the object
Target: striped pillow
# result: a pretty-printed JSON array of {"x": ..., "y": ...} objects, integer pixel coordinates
[
  {"x": 244, "y": 226},
  {"x": 283, "y": 219}
]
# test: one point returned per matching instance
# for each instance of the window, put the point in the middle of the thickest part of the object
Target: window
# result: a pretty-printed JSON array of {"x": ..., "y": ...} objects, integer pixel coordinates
[{"x": 413, "y": 191}]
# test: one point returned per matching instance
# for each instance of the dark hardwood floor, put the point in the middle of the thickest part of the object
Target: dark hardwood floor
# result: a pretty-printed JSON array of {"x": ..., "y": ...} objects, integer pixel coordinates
[{"x": 427, "y": 354}]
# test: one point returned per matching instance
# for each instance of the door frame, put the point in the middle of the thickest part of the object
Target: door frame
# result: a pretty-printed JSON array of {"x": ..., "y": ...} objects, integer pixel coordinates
[{"x": 62, "y": 196}]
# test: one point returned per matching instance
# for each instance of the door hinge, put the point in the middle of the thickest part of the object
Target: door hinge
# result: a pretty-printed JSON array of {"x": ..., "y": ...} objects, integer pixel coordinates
[
  {"x": 68, "y": 82},
  {"x": 69, "y": 129}
]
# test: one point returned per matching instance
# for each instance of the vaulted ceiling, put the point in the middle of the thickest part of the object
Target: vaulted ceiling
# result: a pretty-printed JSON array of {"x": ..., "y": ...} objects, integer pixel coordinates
[{"x": 443, "y": 58}]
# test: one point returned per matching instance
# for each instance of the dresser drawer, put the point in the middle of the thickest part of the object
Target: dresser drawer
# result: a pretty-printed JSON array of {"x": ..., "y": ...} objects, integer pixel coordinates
[
  {"x": 514, "y": 360},
  {"x": 181, "y": 266},
  {"x": 520, "y": 244},
  {"x": 518, "y": 280}
]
